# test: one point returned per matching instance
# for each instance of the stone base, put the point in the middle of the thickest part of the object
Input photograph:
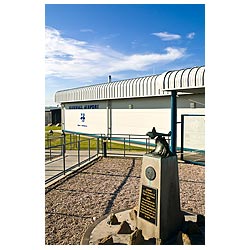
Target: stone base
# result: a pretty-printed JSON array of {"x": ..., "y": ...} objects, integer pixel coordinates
[{"x": 101, "y": 232}]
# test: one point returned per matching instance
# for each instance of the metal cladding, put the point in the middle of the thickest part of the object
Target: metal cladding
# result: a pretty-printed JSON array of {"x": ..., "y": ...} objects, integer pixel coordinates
[
  {"x": 154, "y": 85},
  {"x": 184, "y": 79}
]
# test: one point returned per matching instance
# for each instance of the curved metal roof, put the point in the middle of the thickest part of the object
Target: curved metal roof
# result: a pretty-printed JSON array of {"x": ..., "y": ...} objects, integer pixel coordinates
[
  {"x": 154, "y": 85},
  {"x": 184, "y": 79}
]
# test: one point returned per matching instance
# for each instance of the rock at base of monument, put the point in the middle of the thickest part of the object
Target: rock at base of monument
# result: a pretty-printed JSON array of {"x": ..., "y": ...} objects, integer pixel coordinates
[
  {"x": 136, "y": 238},
  {"x": 113, "y": 220},
  {"x": 182, "y": 239},
  {"x": 133, "y": 214},
  {"x": 124, "y": 228},
  {"x": 106, "y": 241}
]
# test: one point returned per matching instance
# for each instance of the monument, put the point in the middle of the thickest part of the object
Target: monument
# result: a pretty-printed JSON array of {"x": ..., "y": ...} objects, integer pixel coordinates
[
  {"x": 158, "y": 218},
  {"x": 159, "y": 214}
]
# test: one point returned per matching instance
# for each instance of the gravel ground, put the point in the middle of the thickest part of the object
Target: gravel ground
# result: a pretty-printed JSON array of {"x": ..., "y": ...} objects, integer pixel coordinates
[{"x": 111, "y": 184}]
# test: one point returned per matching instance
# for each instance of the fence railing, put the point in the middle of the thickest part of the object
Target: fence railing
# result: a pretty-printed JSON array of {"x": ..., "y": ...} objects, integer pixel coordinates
[
  {"x": 126, "y": 144},
  {"x": 65, "y": 152}
]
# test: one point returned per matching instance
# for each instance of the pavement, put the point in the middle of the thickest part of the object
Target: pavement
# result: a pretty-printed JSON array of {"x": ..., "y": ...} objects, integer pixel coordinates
[{"x": 55, "y": 166}]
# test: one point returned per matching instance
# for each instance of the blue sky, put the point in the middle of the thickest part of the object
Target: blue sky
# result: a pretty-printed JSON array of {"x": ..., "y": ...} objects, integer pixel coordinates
[{"x": 85, "y": 43}]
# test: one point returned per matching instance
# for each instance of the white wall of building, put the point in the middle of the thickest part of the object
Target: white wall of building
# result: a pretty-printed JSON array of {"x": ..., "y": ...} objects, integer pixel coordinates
[{"x": 137, "y": 116}]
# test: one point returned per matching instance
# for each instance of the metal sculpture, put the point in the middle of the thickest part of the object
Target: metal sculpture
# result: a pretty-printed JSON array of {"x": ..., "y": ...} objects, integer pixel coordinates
[{"x": 161, "y": 145}]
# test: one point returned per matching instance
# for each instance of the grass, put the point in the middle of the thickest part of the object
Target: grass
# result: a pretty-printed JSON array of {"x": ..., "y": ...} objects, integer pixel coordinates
[
  {"x": 48, "y": 128},
  {"x": 71, "y": 141}
]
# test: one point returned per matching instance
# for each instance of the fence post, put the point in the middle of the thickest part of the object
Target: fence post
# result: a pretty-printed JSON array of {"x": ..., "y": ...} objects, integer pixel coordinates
[
  {"x": 97, "y": 148},
  {"x": 89, "y": 147},
  {"x": 64, "y": 139},
  {"x": 78, "y": 152},
  {"x": 64, "y": 158},
  {"x": 104, "y": 147},
  {"x": 110, "y": 146},
  {"x": 124, "y": 146}
]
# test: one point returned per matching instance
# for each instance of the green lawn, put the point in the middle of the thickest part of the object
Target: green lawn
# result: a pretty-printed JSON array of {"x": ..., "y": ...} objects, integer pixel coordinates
[
  {"x": 72, "y": 141},
  {"x": 48, "y": 128}
]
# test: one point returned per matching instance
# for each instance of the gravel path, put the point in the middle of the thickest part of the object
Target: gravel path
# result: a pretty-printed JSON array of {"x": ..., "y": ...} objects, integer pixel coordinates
[{"x": 110, "y": 184}]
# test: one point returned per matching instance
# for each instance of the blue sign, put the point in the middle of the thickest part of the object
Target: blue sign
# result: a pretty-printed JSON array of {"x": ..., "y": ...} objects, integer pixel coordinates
[
  {"x": 82, "y": 118},
  {"x": 92, "y": 106}
]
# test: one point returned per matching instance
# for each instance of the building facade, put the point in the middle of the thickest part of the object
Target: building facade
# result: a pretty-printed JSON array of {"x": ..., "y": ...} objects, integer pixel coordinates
[{"x": 134, "y": 106}]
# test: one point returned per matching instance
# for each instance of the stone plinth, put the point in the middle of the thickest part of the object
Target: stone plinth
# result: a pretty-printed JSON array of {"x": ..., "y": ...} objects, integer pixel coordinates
[{"x": 159, "y": 214}]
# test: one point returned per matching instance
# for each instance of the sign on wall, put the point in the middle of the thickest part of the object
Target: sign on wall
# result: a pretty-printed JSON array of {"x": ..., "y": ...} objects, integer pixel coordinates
[
  {"x": 92, "y": 106},
  {"x": 92, "y": 121},
  {"x": 82, "y": 119}
]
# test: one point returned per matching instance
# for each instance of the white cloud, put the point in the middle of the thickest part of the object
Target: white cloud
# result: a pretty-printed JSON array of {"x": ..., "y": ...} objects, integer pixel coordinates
[
  {"x": 191, "y": 35},
  {"x": 165, "y": 36},
  {"x": 72, "y": 59},
  {"x": 87, "y": 30}
]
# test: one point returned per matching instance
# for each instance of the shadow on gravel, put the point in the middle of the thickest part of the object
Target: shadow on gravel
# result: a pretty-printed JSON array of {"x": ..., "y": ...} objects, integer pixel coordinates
[{"x": 117, "y": 191}]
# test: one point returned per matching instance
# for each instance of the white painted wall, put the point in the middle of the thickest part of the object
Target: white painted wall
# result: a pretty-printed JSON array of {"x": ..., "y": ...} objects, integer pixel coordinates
[
  {"x": 95, "y": 121},
  {"x": 145, "y": 114},
  {"x": 140, "y": 121}
]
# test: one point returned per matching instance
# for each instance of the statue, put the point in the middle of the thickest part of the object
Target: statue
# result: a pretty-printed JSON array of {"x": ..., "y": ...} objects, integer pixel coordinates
[{"x": 161, "y": 145}]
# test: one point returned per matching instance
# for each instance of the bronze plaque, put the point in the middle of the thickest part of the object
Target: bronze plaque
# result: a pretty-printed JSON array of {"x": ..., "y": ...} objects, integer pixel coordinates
[
  {"x": 148, "y": 204},
  {"x": 150, "y": 173}
]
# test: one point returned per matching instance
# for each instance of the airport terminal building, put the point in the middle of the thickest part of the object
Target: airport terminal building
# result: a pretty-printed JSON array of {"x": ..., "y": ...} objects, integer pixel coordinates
[{"x": 135, "y": 106}]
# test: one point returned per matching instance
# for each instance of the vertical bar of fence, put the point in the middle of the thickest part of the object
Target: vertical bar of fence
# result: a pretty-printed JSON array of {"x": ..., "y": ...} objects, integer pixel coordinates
[
  {"x": 110, "y": 142},
  {"x": 89, "y": 147},
  {"x": 124, "y": 147},
  {"x": 97, "y": 146},
  {"x": 104, "y": 147},
  {"x": 64, "y": 167},
  {"x": 64, "y": 140},
  {"x": 78, "y": 151},
  {"x": 128, "y": 142}
]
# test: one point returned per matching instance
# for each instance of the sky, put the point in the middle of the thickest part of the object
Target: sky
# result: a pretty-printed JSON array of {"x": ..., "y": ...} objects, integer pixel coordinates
[{"x": 86, "y": 43}]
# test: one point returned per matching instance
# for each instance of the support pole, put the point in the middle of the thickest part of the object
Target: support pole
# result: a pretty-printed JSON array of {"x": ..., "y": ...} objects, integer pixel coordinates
[
  {"x": 182, "y": 137},
  {"x": 173, "y": 121}
]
